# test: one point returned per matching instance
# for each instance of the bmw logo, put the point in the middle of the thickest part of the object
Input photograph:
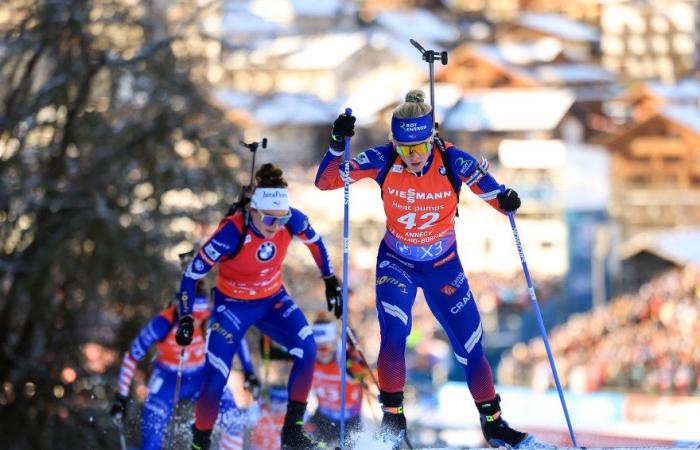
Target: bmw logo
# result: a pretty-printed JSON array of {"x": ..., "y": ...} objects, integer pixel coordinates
[
  {"x": 442, "y": 170},
  {"x": 266, "y": 251}
]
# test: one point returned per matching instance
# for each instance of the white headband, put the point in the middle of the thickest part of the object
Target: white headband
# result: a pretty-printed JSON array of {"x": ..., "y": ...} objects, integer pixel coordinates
[
  {"x": 201, "y": 305},
  {"x": 270, "y": 199},
  {"x": 324, "y": 332}
]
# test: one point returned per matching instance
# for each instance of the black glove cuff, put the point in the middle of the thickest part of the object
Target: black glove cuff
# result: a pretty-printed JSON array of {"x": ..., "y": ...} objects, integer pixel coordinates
[{"x": 337, "y": 146}]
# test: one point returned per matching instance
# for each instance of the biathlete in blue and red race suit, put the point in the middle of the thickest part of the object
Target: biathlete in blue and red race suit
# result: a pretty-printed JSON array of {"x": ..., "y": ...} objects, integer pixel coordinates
[
  {"x": 249, "y": 247},
  {"x": 325, "y": 422},
  {"x": 420, "y": 178},
  {"x": 160, "y": 331}
]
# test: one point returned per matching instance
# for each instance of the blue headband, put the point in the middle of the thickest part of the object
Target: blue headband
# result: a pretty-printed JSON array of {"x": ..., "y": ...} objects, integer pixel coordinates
[{"x": 415, "y": 129}]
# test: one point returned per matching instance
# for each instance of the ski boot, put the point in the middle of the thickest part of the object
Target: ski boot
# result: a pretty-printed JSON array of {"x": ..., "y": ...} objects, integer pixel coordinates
[
  {"x": 293, "y": 436},
  {"x": 201, "y": 439},
  {"x": 498, "y": 433},
  {"x": 393, "y": 427}
]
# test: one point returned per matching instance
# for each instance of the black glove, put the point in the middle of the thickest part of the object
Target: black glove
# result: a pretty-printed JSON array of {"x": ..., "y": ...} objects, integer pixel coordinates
[
  {"x": 118, "y": 411},
  {"x": 508, "y": 200},
  {"x": 334, "y": 297},
  {"x": 344, "y": 126},
  {"x": 185, "y": 331},
  {"x": 252, "y": 384}
]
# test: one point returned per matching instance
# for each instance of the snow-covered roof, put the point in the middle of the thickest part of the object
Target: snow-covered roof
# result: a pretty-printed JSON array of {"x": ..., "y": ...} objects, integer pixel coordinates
[
  {"x": 446, "y": 97},
  {"x": 686, "y": 89},
  {"x": 293, "y": 109},
  {"x": 681, "y": 246},
  {"x": 419, "y": 24},
  {"x": 377, "y": 91},
  {"x": 521, "y": 53},
  {"x": 279, "y": 109},
  {"x": 509, "y": 110},
  {"x": 238, "y": 19},
  {"x": 560, "y": 26},
  {"x": 263, "y": 49},
  {"x": 402, "y": 48},
  {"x": 316, "y": 8},
  {"x": 585, "y": 169},
  {"x": 230, "y": 99},
  {"x": 685, "y": 115},
  {"x": 572, "y": 74},
  {"x": 326, "y": 51}
]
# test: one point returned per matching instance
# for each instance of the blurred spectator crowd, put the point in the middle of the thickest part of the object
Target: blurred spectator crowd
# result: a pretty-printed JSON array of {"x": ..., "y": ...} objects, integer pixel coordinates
[{"x": 647, "y": 341}]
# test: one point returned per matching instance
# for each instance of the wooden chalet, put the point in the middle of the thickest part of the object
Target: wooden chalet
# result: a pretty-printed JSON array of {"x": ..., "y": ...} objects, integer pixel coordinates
[{"x": 655, "y": 171}]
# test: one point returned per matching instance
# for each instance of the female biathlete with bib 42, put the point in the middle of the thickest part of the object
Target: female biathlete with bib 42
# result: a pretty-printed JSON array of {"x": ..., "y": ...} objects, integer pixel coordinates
[
  {"x": 249, "y": 247},
  {"x": 420, "y": 177}
]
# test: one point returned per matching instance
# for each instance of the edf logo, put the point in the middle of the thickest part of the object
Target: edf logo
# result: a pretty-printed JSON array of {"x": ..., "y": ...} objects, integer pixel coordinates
[{"x": 266, "y": 251}]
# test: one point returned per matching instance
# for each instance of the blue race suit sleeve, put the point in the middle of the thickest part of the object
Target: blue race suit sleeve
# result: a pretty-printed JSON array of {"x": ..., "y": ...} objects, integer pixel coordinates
[
  {"x": 222, "y": 243},
  {"x": 475, "y": 174},
  {"x": 155, "y": 331},
  {"x": 300, "y": 227},
  {"x": 368, "y": 164}
]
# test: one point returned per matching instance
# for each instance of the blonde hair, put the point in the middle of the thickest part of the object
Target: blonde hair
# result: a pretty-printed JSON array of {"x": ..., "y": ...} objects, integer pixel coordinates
[{"x": 413, "y": 106}]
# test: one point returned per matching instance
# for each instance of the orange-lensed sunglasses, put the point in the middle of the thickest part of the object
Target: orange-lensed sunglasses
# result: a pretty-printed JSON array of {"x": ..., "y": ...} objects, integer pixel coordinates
[{"x": 421, "y": 148}]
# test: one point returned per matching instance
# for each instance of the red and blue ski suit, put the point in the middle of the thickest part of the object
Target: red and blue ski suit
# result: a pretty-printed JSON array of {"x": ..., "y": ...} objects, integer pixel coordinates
[
  {"x": 249, "y": 291},
  {"x": 158, "y": 408},
  {"x": 419, "y": 250}
]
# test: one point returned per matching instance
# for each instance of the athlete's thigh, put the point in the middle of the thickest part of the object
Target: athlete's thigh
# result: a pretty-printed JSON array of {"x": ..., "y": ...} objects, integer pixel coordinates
[
  {"x": 191, "y": 384},
  {"x": 395, "y": 289},
  {"x": 451, "y": 301},
  {"x": 286, "y": 324},
  {"x": 158, "y": 408},
  {"x": 228, "y": 324}
]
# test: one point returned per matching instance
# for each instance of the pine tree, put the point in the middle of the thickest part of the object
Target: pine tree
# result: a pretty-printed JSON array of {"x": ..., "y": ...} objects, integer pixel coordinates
[{"x": 110, "y": 155}]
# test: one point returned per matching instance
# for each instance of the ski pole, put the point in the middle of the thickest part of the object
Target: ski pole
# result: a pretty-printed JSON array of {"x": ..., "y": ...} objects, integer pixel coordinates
[
  {"x": 346, "y": 256},
  {"x": 540, "y": 321},
  {"x": 122, "y": 438},
  {"x": 355, "y": 344},
  {"x": 266, "y": 344},
  {"x": 176, "y": 396}
]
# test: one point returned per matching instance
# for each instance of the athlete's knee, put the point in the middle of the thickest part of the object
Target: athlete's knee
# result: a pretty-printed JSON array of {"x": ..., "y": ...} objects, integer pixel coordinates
[
  {"x": 395, "y": 320},
  {"x": 304, "y": 346},
  {"x": 394, "y": 333}
]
